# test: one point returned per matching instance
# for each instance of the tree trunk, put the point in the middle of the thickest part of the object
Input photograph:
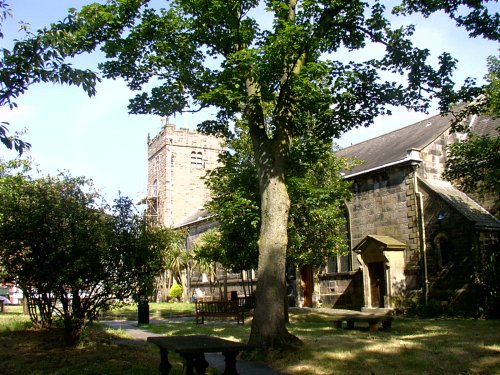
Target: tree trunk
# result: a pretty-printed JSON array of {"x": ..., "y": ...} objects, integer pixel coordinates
[
  {"x": 269, "y": 322},
  {"x": 73, "y": 333},
  {"x": 271, "y": 148}
]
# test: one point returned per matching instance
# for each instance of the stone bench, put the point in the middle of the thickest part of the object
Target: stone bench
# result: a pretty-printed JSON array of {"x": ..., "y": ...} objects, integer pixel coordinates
[
  {"x": 371, "y": 319},
  {"x": 193, "y": 348}
]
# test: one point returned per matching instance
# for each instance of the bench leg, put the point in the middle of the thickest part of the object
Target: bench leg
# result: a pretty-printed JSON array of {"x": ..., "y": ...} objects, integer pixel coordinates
[
  {"x": 350, "y": 324},
  {"x": 194, "y": 364},
  {"x": 240, "y": 318},
  {"x": 373, "y": 326},
  {"x": 338, "y": 324},
  {"x": 230, "y": 363},
  {"x": 165, "y": 365}
]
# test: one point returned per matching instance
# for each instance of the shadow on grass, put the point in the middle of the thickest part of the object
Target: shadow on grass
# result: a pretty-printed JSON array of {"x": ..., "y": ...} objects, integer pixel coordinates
[
  {"x": 433, "y": 347},
  {"x": 31, "y": 351},
  {"x": 458, "y": 346}
]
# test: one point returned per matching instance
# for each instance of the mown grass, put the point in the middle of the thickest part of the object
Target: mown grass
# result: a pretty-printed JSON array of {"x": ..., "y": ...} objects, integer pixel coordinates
[
  {"x": 413, "y": 346},
  {"x": 156, "y": 311}
]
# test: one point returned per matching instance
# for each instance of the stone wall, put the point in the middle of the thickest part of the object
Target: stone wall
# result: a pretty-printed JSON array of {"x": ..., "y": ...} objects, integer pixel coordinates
[
  {"x": 434, "y": 156},
  {"x": 384, "y": 204},
  {"x": 342, "y": 290},
  {"x": 177, "y": 161},
  {"x": 452, "y": 255}
]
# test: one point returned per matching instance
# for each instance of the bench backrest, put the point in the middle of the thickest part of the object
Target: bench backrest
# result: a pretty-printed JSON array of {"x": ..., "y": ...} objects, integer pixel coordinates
[{"x": 213, "y": 307}]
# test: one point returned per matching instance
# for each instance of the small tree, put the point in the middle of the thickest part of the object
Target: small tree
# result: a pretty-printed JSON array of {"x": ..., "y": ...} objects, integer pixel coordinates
[
  {"x": 54, "y": 240},
  {"x": 207, "y": 250},
  {"x": 145, "y": 249},
  {"x": 61, "y": 244}
]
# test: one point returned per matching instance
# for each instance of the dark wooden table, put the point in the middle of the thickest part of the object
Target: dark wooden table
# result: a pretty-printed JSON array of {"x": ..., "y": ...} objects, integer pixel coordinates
[{"x": 193, "y": 348}]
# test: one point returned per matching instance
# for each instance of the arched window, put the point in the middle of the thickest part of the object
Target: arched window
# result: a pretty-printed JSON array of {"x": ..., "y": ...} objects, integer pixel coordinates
[
  {"x": 193, "y": 159},
  {"x": 342, "y": 263},
  {"x": 155, "y": 188},
  {"x": 197, "y": 160}
]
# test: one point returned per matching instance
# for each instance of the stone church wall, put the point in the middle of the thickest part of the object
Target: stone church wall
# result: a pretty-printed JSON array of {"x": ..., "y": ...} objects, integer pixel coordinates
[
  {"x": 178, "y": 159},
  {"x": 452, "y": 256},
  {"x": 384, "y": 204}
]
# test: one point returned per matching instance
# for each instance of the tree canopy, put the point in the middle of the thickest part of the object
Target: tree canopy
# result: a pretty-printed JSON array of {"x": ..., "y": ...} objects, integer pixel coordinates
[
  {"x": 317, "y": 191},
  {"x": 474, "y": 163},
  {"x": 286, "y": 79}
]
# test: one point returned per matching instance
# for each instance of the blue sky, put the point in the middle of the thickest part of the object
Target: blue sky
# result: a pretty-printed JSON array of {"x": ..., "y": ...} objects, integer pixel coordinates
[{"x": 96, "y": 138}]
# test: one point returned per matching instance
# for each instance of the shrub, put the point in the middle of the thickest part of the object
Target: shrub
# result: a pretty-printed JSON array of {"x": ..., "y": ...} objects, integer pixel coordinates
[{"x": 175, "y": 292}]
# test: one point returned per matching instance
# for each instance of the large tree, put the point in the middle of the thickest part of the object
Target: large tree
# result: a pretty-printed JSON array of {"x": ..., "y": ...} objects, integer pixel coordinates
[
  {"x": 285, "y": 78},
  {"x": 316, "y": 226}
]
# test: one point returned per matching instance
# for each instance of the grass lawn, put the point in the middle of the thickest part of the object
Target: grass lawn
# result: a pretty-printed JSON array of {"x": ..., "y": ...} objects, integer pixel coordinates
[{"x": 413, "y": 346}]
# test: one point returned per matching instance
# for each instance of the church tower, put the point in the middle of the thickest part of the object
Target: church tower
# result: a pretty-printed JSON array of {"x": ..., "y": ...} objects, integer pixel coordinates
[{"x": 178, "y": 159}]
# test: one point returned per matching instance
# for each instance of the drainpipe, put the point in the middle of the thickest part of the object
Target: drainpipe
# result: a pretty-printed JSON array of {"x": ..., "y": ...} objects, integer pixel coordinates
[{"x": 420, "y": 208}]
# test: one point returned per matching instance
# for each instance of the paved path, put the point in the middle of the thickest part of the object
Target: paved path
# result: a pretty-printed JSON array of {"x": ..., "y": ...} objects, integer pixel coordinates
[{"x": 215, "y": 360}]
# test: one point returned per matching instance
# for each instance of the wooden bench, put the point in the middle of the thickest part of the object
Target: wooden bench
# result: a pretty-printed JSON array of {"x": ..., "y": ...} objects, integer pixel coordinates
[
  {"x": 371, "y": 319},
  {"x": 193, "y": 348},
  {"x": 206, "y": 309},
  {"x": 246, "y": 303}
]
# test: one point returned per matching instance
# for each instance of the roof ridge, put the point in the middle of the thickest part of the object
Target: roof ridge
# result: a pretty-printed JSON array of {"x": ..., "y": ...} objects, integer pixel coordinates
[{"x": 427, "y": 119}]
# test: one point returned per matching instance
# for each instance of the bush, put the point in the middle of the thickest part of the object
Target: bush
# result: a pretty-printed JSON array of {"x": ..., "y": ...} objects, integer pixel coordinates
[
  {"x": 175, "y": 292},
  {"x": 406, "y": 302}
]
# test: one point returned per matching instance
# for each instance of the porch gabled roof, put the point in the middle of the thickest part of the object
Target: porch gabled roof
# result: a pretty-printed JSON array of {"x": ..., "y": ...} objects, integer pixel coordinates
[
  {"x": 385, "y": 243},
  {"x": 471, "y": 210}
]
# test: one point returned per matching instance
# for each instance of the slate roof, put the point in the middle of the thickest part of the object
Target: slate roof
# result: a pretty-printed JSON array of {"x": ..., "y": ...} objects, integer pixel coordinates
[
  {"x": 471, "y": 210},
  {"x": 195, "y": 217},
  {"x": 486, "y": 126},
  {"x": 392, "y": 148}
]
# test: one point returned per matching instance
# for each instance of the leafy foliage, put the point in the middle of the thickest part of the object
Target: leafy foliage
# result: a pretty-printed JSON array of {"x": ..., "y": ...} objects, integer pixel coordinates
[
  {"x": 55, "y": 242},
  {"x": 60, "y": 245},
  {"x": 287, "y": 81},
  {"x": 317, "y": 193},
  {"x": 235, "y": 200},
  {"x": 145, "y": 247},
  {"x": 175, "y": 292},
  {"x": 474, "y": 163}
]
